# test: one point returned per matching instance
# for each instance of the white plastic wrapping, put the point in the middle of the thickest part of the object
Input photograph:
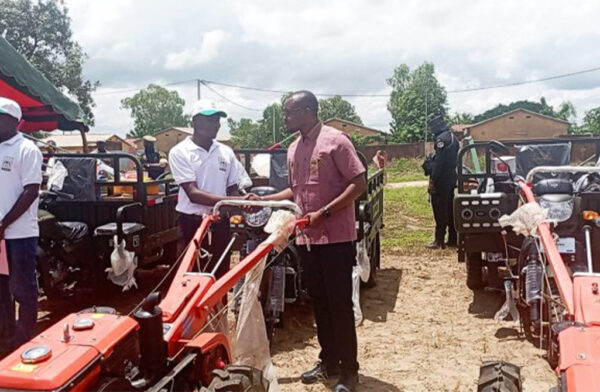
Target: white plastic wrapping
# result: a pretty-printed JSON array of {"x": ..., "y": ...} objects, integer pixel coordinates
[
  {"x": 249, "y": 339},
  {"x": 123, "y": 265},
  {"x": 525, "y": 219},
  {"x": 362, "y": 258},
  {"x": 358, "y": 316},
  {"x": 56, "y": 175},
  {"x": 251, "y": 344}
]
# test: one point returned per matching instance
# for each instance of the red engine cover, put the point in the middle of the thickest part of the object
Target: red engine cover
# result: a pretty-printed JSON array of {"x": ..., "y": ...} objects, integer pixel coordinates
[{"x": 73, "y": 365}]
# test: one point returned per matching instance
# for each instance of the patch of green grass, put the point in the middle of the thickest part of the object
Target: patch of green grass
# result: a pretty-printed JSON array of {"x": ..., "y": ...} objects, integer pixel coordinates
[
  {"x": 408, "y": 219},
  {"x": 405, "y": 169}
]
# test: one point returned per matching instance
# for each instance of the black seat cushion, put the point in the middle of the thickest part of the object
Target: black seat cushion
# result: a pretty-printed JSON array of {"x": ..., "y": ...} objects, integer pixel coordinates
[
  {"x": 73, "y": 231},
  {"x": 111, "y": 228}
]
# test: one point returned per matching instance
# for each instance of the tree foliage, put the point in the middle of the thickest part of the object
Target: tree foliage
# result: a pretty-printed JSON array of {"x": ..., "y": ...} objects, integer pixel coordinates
[
  {"x": 460, "y": 118},
  {"x": 41, "y": 32},
  {"x": 415, "y": 98},
  {"x": 338, "y": 107},
  {"x": 541, "y": 107},
  {"x": 247, "y": 133},
  {"x": 591, "y": 122},
  {"x": 153, "y": 109}
]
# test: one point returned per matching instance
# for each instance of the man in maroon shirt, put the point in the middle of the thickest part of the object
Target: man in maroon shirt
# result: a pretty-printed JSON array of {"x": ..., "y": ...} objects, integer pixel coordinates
[{"x": 325, "y": 177}]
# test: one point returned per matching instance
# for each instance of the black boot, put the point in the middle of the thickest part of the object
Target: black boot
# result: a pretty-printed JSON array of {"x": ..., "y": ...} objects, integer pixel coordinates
[
  {"x": 319, "y": 374},
  {"x": 346, "y": 383}
]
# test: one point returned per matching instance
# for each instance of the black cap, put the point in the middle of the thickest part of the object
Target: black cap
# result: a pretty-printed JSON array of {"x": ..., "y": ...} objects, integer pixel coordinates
[{"x": 437, "y": 124}]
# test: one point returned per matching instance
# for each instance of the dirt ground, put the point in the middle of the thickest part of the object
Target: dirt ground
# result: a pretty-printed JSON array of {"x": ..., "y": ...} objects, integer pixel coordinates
[{"x": 423, "y": 331}]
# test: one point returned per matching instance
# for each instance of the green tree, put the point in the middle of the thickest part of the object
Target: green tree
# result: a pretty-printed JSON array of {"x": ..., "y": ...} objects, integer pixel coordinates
[
  {"x": 566, "y": 111},
  {"x": 460, "y": 118},
  {"x": 246, "y": 133},
  {"x": 591, "y": 121},
  {"x": 415, "y": 98},
  {"x": 41, "y": 32},
  {"x": 263, "y": 133},
  {"x": 153, "y": 109},
  {"x": 338, "y": 107},
  {"x": 541, "y": 107}
]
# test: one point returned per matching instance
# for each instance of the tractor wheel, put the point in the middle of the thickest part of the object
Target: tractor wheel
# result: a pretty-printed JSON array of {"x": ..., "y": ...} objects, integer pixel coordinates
[
  {"x": 237, "y": 378},
  {"x": 474, "y": 271},
  {"x": 374, "y": 260},
  {"x": 499, "y": 376}
]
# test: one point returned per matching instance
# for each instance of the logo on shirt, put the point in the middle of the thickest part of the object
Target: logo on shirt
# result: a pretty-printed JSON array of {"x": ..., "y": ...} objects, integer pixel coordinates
[
  {"x": 222, "y": 164},
  {"x": 7, "y": 164}
]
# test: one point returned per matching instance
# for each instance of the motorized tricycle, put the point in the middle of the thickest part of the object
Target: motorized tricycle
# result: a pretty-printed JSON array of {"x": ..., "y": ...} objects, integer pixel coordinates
[{"x": 82, "y": 220}]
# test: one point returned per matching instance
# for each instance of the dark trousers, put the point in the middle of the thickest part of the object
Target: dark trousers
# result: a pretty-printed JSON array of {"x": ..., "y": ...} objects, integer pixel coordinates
[
  {"x": 328, "y": 277},
  {"x": 442, "y": 202},
  {"x": 220, "y": 237},
  {"x": 20, "y": 286}
]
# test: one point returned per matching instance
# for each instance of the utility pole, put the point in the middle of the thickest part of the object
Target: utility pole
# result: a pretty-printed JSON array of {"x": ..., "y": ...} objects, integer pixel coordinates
[
  {"x": 426, "y": 94},
  {"x": 274, "y": 136},
  {"x": 199, "y": 83}
]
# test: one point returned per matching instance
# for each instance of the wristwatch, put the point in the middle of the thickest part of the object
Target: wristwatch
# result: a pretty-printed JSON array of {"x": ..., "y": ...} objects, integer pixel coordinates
[{"x": 326, "y": 212}]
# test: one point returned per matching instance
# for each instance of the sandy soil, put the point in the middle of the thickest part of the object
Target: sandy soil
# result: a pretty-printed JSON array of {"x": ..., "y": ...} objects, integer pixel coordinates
[{"x": 423, "y": 331}]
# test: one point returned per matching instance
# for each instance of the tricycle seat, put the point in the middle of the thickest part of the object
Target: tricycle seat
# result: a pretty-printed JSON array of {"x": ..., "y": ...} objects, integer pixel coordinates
[
  {"x": 110, "y": 229},
  {"x": 73, "y": 231}
]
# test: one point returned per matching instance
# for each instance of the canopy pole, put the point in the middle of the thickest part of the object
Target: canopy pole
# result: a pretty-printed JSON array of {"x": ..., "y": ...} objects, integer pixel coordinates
[{"x": 85, "y": 144}]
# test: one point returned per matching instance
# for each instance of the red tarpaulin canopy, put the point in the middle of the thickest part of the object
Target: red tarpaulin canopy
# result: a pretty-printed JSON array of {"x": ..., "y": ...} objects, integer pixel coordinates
[{"x": 44, "y": 107}]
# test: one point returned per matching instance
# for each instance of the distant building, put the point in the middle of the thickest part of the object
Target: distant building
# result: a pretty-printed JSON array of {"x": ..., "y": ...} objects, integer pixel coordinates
[
  {"x": 73, "y": 142},
  {"x": 519, "y": 124},
  {"x": 353, "y": 128},
  {"x": 168, "y": 138}
]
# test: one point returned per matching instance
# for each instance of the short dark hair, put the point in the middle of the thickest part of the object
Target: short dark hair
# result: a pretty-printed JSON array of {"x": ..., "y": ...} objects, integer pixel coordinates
[{"x": 307, "y": 99}]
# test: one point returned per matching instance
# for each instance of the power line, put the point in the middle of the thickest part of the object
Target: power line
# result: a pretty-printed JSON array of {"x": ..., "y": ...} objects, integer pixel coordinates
[
  {"x": 135, "y": 89},
  {"x": 227, "y": 99},
  {"x": 512, "y": 84},
  {"x": 266, "y": 90}
]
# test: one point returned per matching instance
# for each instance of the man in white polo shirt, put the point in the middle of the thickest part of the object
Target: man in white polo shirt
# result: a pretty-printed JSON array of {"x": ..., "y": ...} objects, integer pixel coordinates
[
  {"x": 20, "y": 176},
  {"x": 206, "y": 173}
]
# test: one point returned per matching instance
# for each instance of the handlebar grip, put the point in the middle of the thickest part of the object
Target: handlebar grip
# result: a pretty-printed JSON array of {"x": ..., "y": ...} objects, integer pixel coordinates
[
  {"x": 302, "y": 223},
  {"x": 274, "y": 147}
]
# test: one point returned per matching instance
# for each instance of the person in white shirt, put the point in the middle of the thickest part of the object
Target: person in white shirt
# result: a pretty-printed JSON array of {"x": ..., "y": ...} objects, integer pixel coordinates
[
  {"x": 206, "y": 173},
  {"x": 20, "y": 176}
]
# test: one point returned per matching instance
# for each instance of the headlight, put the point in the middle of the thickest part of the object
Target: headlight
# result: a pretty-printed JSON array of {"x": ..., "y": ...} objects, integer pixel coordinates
[
  {"x": 559, "y": 207},
  {"x": 258, "y": 218}
]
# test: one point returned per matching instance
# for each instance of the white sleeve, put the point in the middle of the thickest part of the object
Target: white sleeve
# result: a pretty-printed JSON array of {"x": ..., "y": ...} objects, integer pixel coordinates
[
  {"x": 233, "y": 177},
  {"x": 31, "y": 166},
  {"x": 180, "y": 168}
]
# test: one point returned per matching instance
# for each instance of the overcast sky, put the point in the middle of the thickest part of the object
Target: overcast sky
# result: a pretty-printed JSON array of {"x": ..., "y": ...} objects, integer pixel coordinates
[{"x": 336, "y": 46}]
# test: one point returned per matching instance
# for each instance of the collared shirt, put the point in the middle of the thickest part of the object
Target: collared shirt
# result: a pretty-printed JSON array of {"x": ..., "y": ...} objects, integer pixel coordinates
[
  {"x": 213, "y": 171},
  {"x": 321, "y": 166},
  {"x": 20, "y": 165}
]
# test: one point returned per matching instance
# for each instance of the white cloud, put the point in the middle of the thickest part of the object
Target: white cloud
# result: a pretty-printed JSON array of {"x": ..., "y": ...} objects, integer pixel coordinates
[
  {"x": 209, "y": 49},
  {"x": 338, "y": 46}
]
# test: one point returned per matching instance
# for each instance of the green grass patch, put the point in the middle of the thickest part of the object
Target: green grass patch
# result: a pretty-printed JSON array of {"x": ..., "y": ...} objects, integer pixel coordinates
[
  {"x": 405, "y": 169},
  {"x": 408, "y": 219}
]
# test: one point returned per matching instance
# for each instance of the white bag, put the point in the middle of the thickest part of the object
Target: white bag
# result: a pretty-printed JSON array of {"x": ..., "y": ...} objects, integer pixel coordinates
[
  {"x": 123, "y": 265},
  {"x": 358, "y": 316},
  {"x": 362, "y": 258}
]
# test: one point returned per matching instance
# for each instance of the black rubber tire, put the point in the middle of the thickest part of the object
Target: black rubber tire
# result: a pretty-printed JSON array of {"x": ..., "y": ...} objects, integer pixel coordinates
[
  {"x": 374, "y": 260},
  {"x": 51, "y": 292},
  {"x": 474, "y": 266},
  {"x": 499, "y": 376},
  {"x": 237, "y": 378}
]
